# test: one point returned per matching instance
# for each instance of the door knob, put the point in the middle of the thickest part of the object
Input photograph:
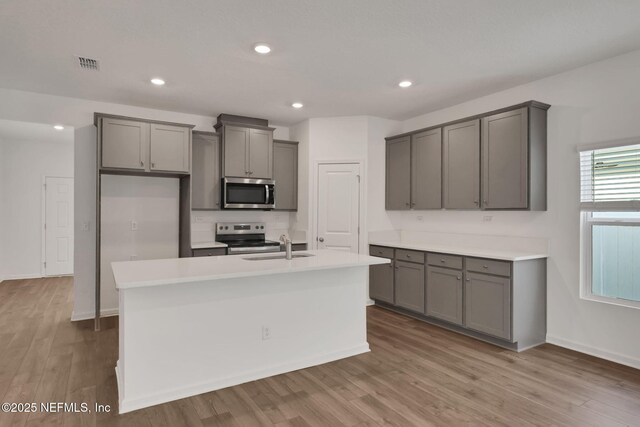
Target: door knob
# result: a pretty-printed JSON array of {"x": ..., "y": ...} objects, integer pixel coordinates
[{"x": 321, "y": 239}]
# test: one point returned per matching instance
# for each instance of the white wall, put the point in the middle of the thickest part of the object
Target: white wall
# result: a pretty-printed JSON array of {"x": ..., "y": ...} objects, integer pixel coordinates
[
  {"x": 23, "y": 164},
  {"x": 41, "y": 108},
  {"x": 598, "y": 102}
]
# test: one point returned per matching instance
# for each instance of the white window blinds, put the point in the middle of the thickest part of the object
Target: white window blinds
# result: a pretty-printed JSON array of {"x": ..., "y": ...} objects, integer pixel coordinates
[{"x": 610, "y": 179}]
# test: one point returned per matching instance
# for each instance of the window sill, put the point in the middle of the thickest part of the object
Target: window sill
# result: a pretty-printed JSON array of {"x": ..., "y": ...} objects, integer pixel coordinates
[{"x": 612, "y": 301}]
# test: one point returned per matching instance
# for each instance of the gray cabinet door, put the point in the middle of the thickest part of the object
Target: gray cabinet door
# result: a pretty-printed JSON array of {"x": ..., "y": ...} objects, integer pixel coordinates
[
  {"x": 461, "y": 165},
  {"x": 260, "y": 153},
  {"x": 444, "y": 294},
  {"x": 505, "y": 160},
  {"x": 381, "y": 282},
  {"x": 409, "y": 285},
  {"x": 426, "y": 170},
  {"x": 124, "y": 144},
  {"x": 169, "y": 148},
  {"x": 205, "y": 173},
  {"x": 236, "y": 151},
  {"x": 398, "y": 174},
  {"x": 285, "y": 173},
  {"x": 487, "y": 306}
]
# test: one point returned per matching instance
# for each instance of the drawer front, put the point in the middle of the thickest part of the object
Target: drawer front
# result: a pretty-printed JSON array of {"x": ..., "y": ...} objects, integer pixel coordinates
[
  {"x": 381, "y": 251},
  {"x": 209, "y": 252},
  {"x": 489, "y": 266},
  {"x": 410, "y": 256},
  {"x": 450, "y": 261}
]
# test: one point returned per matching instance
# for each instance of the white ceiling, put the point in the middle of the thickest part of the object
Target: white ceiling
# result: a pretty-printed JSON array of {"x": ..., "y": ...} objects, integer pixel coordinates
[
  {"x": 13, "y": 132},
  {"x": 338, "y": 57}
]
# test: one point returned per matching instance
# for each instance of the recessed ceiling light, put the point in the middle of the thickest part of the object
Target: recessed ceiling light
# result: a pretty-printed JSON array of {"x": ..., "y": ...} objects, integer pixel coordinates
[
  {"x": 405, "y": 83},
  {"x": 297, "y": 105},
  {"x": 158, "y": 82},
  {"x": 262, "y": 48},
  {"x": 58, "y": 127}
]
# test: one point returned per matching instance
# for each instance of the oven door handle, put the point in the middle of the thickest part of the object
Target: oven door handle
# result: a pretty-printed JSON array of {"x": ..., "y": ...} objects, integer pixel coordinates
[
  {"x": 266, "y": 187},
  {"x": 251, "y": 249}
]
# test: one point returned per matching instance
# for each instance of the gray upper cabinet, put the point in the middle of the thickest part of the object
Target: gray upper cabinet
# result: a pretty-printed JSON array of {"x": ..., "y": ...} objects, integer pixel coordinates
[
  {"x": 488, "y": 304},
  {"x": 285, "y": 173},
  {"x": 124, "y": 144},
  {"x": 248, "y": 152},
  {"x": 205, "y": 174},
  {"x": 398, "y": 174},
  {"x": 236, "y": 152},
  {"x": 409, "y": 286},
  {"x": 144, "y": 146},
  {"x": 426, "y": 170},
  {"x": 444, "y": 294},
  {"x": 496, "y": 160},
  {"x": 461, "y": 165},
  {"x": 260, "y": 153},
  {"x": 505, "y": 160},
  {"x": 169, "y": 148}
]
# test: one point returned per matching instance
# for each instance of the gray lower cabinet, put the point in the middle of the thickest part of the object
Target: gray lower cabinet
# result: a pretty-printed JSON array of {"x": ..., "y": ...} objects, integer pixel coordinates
[
  {"x": 209, "y": 252},
  {"x": 398, "y": 174},
  {"x": 124, "y": 143},
  {"x": 299, "y": 247},
  {"x": 381, "y": 283},
  {"x": 144, "y": 146},
  {"x": 444, "y": 294},
  {"x": 169, "y": 149},
  {"x": 488, "y": 304},
  {"x": 247, "y": 152},
  {"x": 426, "y": 170},
  {"x": 503, "y": 302},
  {"x": 205, "y": 173},
  {"x": 505, "y": 163},
  {"x": 285, "y": 173},
  {"x": 461, "y": 165},
  {"x": 409, "y": 285}
]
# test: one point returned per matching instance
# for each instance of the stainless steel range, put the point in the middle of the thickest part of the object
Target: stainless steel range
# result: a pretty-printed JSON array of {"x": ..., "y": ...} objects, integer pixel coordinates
[{"x": 245, "y": 238}]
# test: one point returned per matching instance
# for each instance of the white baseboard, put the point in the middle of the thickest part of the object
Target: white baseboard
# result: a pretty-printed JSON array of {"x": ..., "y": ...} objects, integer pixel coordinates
[
  {"x": 22, "y": 276},
  {"x": 128, "y": 405},
  {"x": 597, "y": 352},
  {"x": 91, "y": 314},
  {"x": 370, "y": 302}
]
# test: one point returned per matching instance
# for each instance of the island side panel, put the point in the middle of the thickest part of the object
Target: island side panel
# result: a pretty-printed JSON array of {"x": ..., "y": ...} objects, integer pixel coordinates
[{"x": 186, "y": 339}]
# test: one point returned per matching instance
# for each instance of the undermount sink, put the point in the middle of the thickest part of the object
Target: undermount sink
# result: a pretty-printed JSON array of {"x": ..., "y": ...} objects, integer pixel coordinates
[{"x": 279, "y": 256}]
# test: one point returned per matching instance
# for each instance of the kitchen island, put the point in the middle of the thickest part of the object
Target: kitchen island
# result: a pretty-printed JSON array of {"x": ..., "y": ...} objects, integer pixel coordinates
[{"x": 193, "y": 325}]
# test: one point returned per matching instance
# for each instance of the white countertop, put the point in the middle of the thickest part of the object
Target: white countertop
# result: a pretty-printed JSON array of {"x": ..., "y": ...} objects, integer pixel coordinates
[
  {"x": 136, "y": 274},
  {"x": 208, "y": 245},
  {"x": 472, "y": 251}
]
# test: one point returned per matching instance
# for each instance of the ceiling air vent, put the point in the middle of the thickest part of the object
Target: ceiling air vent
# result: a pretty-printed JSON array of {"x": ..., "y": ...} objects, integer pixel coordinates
[{"x": 88, "y": 63}]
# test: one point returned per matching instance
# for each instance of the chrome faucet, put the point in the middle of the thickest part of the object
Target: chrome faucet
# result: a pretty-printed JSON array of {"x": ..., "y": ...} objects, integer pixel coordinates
[{"x": 287, "y": 244}]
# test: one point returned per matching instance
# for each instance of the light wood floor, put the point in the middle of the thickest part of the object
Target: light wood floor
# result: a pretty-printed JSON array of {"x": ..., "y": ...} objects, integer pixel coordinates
[{"x": 415, "y": 375}]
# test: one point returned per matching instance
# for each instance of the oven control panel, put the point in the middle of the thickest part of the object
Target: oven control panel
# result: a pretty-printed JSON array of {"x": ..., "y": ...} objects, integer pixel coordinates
[{"x": 240, "y": 228}]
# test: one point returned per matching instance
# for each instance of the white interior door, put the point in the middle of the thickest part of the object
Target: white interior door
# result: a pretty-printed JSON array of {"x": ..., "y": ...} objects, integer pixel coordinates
[
  {"x": 338, "y": 211},
  {"x": 58, "y": 226}
]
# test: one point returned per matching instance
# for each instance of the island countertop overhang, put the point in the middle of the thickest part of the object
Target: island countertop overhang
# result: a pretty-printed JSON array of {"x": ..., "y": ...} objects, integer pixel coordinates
[{"x": 139, "y": 274}]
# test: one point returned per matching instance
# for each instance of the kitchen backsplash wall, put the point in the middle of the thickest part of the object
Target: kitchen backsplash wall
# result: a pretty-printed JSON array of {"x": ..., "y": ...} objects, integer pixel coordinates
[{"x": 203, "y": 222}]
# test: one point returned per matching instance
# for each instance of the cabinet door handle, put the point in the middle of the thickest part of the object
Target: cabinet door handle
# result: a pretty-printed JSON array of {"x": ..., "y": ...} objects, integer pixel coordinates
[
  {"x": 141, "y": 163},
  {"x": 475, "y": 202},
  {"x": 458, "y": 277},
  {"x": 468, "y": 280},
  {"x": 407, "y": 204},
  {"x": 408, "y": 256},
  {"x": 442, "y": 260},
  {"x": 485, "y": 266},
  {"x": 153, "y": 165}
]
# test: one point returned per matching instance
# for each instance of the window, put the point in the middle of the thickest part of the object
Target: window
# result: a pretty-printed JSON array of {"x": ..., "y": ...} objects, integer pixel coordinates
[{"x": 610, "y": 204}]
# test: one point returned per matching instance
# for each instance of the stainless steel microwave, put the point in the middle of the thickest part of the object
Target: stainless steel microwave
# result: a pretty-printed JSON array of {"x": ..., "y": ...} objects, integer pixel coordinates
[{"x": 248, "y": 193}]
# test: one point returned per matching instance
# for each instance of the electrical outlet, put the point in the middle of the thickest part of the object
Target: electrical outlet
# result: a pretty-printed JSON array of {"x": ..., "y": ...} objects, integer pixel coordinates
[
  {"x": 266, "y": 333},
  {"x": 487, "y": 218},
  {"x": 199, "y": 219},
  {"x": 134, "y": 225},
  {"x": 133, "y": 257},
  {"x": 420, "y": 218},
  {"x": 84, "y": 226}
]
